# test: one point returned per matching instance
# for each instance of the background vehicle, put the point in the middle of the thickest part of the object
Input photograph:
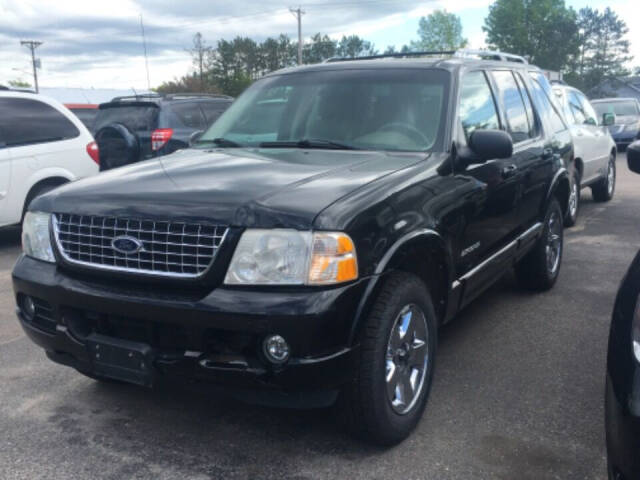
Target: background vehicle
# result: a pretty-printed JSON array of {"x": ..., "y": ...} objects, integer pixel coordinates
[
  {"x": 594, "y": 149},
  {"x": 622, "y": 401},
  {"x": 130, "y": 129},
  {"x": 627, "y": 123},
  {"x": 42, "y": 145},
  {"x": 313, "y": 257},
  {"x": 86, "y": 112}
]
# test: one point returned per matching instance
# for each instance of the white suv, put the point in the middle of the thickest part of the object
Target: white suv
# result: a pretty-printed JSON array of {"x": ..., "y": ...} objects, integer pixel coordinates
[
  {"x": 42, "y": 145},
  {"x": 594, "y": 149}
]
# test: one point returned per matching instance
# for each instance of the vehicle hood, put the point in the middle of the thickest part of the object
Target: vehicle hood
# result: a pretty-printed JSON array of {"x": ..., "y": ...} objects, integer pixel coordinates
[
  {"x": 238, "y": 187},
  {"x": 626, "y": 119}
]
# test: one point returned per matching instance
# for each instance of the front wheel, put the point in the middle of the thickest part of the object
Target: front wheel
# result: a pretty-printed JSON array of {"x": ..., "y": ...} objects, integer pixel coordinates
[
  {"x": 604, "y": 189},
  {"x": 540, "y": 268},
  {"x": 385, "y": 400}
]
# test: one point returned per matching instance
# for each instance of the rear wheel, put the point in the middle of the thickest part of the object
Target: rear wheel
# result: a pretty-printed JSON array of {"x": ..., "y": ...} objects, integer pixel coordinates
[
  {"x": 394, "y": 370},
  {"x": 603, "y": 190},
  {"x": 540, "y": 268},
  {"x": 574, "y": 202}
]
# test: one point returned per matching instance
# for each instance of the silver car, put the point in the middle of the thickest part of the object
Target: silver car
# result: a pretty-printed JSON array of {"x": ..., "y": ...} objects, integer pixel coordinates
[{"x": 595, "y": 150}]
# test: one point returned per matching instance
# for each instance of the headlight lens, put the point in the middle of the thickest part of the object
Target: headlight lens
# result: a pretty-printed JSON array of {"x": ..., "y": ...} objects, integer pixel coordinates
[
  {"x": 36, "y": 241},
  {"x": 291, "y": 257}
]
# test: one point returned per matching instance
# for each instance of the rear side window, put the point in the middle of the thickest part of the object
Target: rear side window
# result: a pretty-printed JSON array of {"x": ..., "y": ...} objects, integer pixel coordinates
[
  {"x": 135, "y": 117},
  {"x": 542, "y": 95},
  {"x": 514, "y": 107},
  {"x": 212, "y": 110},
  {"x": 186, "y": 114},
  {"x": 24, "y": 121},
  {"x": 477, "y": 107}
]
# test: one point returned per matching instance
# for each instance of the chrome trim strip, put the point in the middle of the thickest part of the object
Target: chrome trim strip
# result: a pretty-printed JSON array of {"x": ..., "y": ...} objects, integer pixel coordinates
[
  {"x": 398, "y": 243},
  {"x": 112, "y": 268}
]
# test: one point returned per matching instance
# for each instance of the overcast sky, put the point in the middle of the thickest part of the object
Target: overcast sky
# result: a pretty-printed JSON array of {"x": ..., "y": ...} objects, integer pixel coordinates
[{"x": 90, "y": 43}]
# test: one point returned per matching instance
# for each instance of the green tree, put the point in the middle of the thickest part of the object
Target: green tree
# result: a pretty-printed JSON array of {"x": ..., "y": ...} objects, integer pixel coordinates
[
  {"x": 353, "y": 46},
  {"x": 19, "y": 84},
  {"x": 439, "y": 31},
  {"x": 320, "y": 48},
  {"x": 545, "y": 31},
  {"x": 199, "y": 53}
]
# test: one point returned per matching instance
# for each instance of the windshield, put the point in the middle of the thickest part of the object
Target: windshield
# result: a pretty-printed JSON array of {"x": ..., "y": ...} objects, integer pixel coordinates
[
  {"x": 400, "y": 109},
  {"x": 619, "y": 108}
]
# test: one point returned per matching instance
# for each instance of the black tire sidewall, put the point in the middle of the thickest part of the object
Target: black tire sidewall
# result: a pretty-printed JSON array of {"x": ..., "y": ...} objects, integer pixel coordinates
[{"x": 384, "y": 425}]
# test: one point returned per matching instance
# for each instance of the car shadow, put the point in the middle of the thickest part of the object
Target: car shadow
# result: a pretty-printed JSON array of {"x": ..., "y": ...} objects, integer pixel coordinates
[{"x": 9, "y": 236}]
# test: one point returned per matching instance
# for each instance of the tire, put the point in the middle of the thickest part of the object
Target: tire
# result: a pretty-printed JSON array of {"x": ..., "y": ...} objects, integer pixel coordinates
[
  {"x": 574, "y": 202},
  {"x": 603, "y": 190},
  {"x": 118, "y": 146},
  {"x": 540, "y": 268},
  {"x": 373, "y": 409}
]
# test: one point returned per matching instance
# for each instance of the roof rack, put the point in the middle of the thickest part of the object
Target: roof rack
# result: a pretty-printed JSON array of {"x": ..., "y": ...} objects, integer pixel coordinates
[
  {"x": 491, "y": 55},
  {"x": 129, "y": 98},
  {"x": 174, "y": 96},
  {"x": 390, "y": 55}
]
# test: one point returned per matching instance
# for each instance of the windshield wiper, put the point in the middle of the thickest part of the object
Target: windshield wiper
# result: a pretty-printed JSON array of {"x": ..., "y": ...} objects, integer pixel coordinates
[
  {"x": 308, "y": 143},
  {"x": 221, "y": 142}
]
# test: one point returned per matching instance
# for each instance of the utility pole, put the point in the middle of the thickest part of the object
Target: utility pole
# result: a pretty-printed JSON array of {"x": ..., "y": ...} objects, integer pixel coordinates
[
  {"x": 298, "y": 12},
  {"x": 32, "y": 45},
  {"x": 144, "y": 45}
]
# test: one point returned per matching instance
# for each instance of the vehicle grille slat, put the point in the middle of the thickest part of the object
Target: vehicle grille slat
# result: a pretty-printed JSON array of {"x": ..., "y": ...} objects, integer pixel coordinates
[{"x": 169, "y": 248}]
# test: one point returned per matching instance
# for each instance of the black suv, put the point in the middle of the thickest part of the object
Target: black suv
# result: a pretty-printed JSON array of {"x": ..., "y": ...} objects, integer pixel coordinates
[
  {"x": 130, "y": 129},
  {"x": 311, "y": 257}
]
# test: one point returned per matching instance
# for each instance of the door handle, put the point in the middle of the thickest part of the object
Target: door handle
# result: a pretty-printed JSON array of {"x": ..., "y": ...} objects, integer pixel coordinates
[{"x": 509, "y": 171}]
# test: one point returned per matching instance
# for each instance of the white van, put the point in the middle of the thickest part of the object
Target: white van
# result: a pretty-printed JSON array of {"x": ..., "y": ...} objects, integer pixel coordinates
[{"x": 42, "y": 146}]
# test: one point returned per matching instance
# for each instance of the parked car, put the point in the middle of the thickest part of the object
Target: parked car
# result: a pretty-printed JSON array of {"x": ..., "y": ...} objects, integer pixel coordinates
[
  {"x": 626, "y": 128},
  {"x": 86, "y": 112},
  {"x": 313, "y": 260},
  {"x": 595, "y": 151},
  {"x": 622, "y": 400},
  {"x": 130, "y": 129},
  {"x": 42, "y": 146}
]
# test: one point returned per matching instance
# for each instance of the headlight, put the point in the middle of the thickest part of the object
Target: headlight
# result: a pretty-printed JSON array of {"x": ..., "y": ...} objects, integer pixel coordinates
[
  {"x": 291, "y": 257},
  {"x": 632, "y": 126},
  {"x": 36, "y": 241}
]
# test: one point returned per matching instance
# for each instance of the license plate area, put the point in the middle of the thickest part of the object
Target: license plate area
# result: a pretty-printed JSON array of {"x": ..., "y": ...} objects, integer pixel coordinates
[{"x": 121, "y": 359}]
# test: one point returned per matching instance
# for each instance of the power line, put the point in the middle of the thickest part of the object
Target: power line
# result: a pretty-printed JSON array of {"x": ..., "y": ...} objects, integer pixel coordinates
[{"x": 32, "y": 45}]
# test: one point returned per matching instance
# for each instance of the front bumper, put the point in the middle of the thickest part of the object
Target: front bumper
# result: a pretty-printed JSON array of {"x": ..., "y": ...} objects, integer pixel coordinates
[{"x": 213, "y": 339}]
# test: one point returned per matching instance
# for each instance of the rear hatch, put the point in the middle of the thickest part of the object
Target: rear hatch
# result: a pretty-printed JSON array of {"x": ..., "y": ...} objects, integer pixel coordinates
[{"x": 140, "y": 118}]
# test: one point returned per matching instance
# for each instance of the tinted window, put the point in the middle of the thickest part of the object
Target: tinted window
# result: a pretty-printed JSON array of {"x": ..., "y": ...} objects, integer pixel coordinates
[
  {"x": 477, "y": 107},
  {"x": 378, "y": 109},
  {"x": 618, "y": 108},
  {"x": 544, "y": 104},
  {"x": 186, "y": 114},
  {"x": 24, "y": 121},
  {"x": 212, "y": 110},
  {"x": 86, "y": 116},
  {"x": 576, "y": 108},
  {"x": 135, "y": 118},
  {"x": 528, "y": 105},
  {"x": 513, "y": 103}
]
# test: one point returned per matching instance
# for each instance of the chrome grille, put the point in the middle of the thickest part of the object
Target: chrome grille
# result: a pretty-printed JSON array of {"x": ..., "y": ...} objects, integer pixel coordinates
[{"x": 172, "y": 249}]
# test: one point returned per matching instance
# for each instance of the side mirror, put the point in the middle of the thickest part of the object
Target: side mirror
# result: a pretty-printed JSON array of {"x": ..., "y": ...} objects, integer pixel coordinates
[
  {"x": 608, "y": 119},
  {"x": 633, "y": 156},
  {"x": 195, "y": 136},
  {"x": 590, "y": 121},
  {"x": 490, "y": 144}
]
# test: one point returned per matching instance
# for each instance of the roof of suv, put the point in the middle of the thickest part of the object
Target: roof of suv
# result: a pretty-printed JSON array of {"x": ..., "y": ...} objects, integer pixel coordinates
[
  {"x": 615, "y": 99},
  {"x": 137, "y": 100}
]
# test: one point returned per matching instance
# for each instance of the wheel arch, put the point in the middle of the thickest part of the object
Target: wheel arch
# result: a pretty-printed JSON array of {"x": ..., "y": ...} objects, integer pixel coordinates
[
  {"x": 560, "y": 189},
  {"x": 54, "y": 181},
  {"x": 423, "y": 253}
]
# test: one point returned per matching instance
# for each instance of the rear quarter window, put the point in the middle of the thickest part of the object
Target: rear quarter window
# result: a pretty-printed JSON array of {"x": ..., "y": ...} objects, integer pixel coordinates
[
  {"x": 186, "y": 115},
  {"x": 212, "y": 110},
  {"x": 25, "y": 121}
]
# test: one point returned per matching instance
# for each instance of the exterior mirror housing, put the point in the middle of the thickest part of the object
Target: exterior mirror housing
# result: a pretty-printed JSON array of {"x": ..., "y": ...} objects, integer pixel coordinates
[
  {"x": 608, "y": 119},
  {"x": 490, "y": 144},
  {"x": 633, "y": 156},
  {"x": 195, "y": 136}
]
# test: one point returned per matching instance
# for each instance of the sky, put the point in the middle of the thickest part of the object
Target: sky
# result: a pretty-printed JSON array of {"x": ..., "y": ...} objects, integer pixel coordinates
[{"x": 98, "y": 44}]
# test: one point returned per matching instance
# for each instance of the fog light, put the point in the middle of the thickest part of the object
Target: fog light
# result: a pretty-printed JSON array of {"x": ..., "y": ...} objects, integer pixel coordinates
[
  {"x": 276, "y": 349},
  {"x": 28, "y": 307}
]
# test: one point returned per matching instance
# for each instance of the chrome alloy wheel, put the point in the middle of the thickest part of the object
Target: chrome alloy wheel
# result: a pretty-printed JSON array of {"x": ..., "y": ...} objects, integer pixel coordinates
[
  {"x": 554, "y": 242},
  {"x": 407, "y": 359},
  {"x": 573, "y": 200},
  {"x": 611, "y": 178}
]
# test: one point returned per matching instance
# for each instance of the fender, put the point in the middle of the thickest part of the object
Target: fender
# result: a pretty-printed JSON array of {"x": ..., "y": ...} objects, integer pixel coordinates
[
  {"x": 560, "y": 176},
  {"x": 381, "y": 269}
]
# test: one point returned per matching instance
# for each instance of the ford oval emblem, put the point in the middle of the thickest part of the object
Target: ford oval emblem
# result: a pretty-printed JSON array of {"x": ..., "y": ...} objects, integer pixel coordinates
[{"x": 126, "y": 245}]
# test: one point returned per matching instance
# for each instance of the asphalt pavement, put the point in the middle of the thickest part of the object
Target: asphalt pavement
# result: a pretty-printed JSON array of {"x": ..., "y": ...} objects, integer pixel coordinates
[{"x": 518, "y": 393}]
